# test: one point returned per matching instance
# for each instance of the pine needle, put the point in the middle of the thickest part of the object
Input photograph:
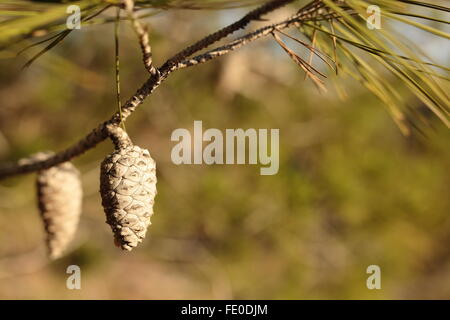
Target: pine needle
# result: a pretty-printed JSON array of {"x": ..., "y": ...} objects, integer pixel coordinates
[
  {"x": 117, "y": 65},
  {"x": 309, "y": 70}
]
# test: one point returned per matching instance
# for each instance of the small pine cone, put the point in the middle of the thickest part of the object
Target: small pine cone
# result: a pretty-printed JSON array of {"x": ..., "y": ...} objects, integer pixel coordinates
[
  {"x": 59, "y": 198},
  {"x": 128, "y": 189}
]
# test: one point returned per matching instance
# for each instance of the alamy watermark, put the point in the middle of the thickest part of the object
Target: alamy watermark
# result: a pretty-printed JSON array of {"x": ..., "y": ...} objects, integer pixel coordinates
[
  {"x": 73, "y": 281},
  {"x": 374, "y": 280},
  {"x": 373, "y": 20},
  {"x": 74, "y": 19},
  {"x": 228, "y": 148}
]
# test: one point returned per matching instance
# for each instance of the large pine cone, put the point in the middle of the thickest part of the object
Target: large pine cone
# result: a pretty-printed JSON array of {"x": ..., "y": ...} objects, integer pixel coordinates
[
  {"x": 128, "y": 189},
  {"x": 59, "y": 199}
]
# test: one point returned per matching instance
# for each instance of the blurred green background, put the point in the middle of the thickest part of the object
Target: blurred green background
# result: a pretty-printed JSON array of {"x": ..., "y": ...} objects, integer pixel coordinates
[{"x": 351, "y": 190}]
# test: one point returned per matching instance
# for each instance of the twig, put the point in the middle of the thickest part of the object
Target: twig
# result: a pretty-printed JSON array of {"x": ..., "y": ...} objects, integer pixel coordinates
[
  {"x": 241, "y": 41},
  {"x": 222, "y": 33},
  {"x": 143, "y": 38}
]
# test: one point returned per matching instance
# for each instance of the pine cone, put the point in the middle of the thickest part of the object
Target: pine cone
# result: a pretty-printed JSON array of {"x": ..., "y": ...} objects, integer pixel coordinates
[
  {"x": 59, "y": 198},
  {"x": 128, "y": 189}
]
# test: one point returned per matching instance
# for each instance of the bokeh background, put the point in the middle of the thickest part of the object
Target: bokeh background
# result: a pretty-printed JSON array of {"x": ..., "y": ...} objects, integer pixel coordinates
[{"x": 351, "y": 191}]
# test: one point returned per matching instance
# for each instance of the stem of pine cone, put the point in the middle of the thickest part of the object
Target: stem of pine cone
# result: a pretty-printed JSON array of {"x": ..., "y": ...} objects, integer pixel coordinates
[{"x": 119, "y": 137}]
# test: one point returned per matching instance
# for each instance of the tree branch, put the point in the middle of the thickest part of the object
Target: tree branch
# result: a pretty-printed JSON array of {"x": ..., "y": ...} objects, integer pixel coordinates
[
  {"x": 241, "y": 41},
  {"x": 107, "y": 128},
  {"x": 222, "y": 33},
  {"x": 143, "y": 38}
]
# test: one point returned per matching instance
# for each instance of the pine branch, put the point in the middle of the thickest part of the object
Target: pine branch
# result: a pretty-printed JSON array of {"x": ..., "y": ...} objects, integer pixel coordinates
[
  {"x": 143, "y": 38},
  {"x": 253, "y": 15},
  {"x": 414, "y": 73},
  {"x": 103, "y": 131},
  {"x": 296, "y": 19}
]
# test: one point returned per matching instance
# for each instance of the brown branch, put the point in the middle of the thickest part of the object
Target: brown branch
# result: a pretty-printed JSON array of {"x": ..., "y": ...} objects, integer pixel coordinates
[
  {"x": 96, "y": 136},
  {"x": 106, "y": 129},
  {"x": 296, "y": 19},
  {"x": 222, "y": 33},
  {"x": 142, "y": 36}
]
